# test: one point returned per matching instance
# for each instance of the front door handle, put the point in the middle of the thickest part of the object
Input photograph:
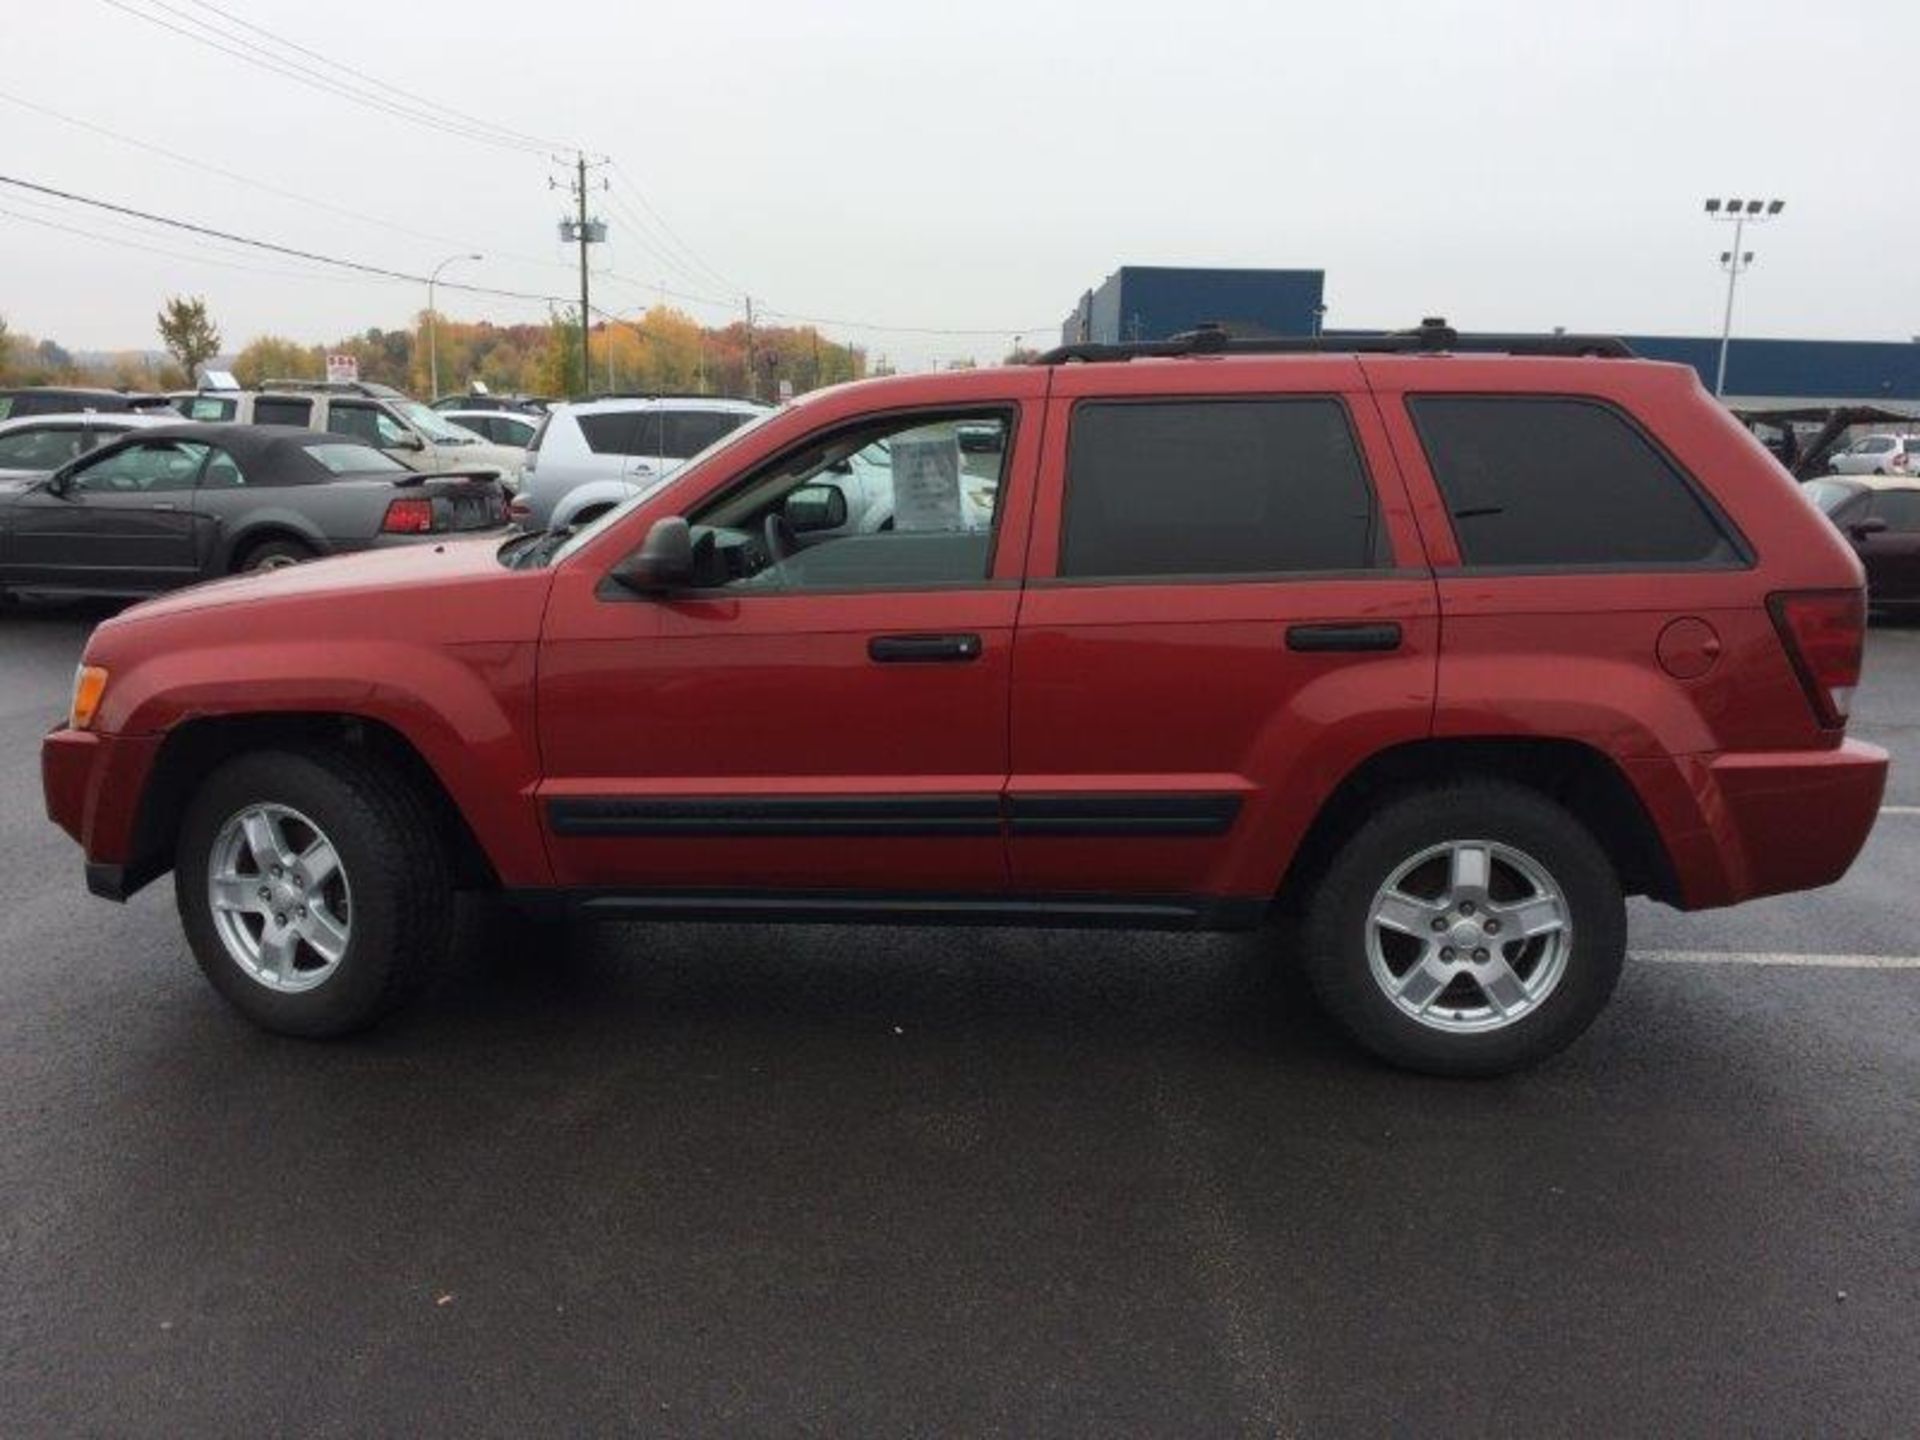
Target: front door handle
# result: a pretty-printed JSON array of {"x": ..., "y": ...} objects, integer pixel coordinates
[
  {"x": 163, "y": 505},
  {"x": 923, "y": 649},
  {"x": 1344, "y": 636}
]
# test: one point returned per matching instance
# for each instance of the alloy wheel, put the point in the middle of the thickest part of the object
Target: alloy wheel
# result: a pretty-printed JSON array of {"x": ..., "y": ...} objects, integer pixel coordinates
[{"x": 1469, "y": 936}]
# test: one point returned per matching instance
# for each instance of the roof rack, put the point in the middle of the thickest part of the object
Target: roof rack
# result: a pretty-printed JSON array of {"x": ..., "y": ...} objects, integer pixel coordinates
[
  {"x": 657, "y": 395},
  {"x": 1430, "y": 337},
  {"x": 370, "y": 388}
]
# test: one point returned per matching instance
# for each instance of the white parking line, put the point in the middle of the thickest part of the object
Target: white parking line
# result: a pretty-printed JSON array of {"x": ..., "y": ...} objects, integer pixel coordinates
[
  {"x": 1811, "y": 962},
  {"x": 1900, "y": 809}
]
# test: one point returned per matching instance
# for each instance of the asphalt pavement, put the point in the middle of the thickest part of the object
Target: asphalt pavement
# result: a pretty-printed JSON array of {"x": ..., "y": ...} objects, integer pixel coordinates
[{"x": 745, "y": 1180}]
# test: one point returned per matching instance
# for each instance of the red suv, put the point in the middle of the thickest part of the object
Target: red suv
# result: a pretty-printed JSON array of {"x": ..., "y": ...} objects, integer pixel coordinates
[{"x": 1441, "y": 645}]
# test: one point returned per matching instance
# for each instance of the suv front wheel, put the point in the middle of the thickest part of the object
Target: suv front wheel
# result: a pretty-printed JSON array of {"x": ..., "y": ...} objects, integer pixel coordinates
[
  {"x": 314, "y": 889},
  {"x": 1467, "y": 929}
]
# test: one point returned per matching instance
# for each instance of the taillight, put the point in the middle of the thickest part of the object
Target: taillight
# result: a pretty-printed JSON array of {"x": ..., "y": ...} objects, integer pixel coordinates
[
  {"x": 1824, "y": 632},
  {"x": 410, "y": 515}
]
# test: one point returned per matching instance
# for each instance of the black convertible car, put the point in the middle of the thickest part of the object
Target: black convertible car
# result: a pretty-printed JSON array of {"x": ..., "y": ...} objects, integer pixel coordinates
[{"x": 172, "y": 504}]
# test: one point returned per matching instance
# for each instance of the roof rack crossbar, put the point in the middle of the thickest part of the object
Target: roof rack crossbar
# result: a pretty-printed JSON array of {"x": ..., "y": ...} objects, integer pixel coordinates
[{"x": 1430, "y": 337}]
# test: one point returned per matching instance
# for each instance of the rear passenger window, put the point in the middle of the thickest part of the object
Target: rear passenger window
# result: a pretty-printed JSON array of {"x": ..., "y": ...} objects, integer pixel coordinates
[
  {"x": 1560, "y": 483},
  {"x": 282, "y": 410},
  {"x": 685, "y": 433},
  {"x": 1215, "y": 487},
  {"x": 609, "y": 434}
]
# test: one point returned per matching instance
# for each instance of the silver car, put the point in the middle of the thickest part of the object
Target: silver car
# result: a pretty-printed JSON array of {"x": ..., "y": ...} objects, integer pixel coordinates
[{"x": 590, "y": 456}]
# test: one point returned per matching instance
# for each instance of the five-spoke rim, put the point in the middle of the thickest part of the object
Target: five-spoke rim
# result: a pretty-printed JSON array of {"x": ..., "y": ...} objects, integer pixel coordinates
[
  {"x": 280, "y": 899},
  {"x": 1469, "y": 935}
]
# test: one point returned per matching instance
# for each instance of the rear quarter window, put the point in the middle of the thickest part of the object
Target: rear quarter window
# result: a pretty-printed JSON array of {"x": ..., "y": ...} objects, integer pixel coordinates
[
  {"x": 1563, "y": 483},
  {"x": 610, "y": 433}
]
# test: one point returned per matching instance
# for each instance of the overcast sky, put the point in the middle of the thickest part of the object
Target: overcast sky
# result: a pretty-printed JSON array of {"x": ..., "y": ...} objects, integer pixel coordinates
[{"x": 1509, "y": 165}]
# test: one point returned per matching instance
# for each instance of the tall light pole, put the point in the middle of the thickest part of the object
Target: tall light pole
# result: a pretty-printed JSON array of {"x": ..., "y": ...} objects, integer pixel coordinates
[
  {"x": 433, "y": 330},
  {"x": 1742, "y": 213}
]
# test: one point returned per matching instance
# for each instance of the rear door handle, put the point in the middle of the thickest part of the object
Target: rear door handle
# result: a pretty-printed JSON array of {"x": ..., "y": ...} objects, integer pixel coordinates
[
  {"x": 923, "y": 649},
  {"x": 1344, "y": 637},
  {"x": 163, "y": 505}
]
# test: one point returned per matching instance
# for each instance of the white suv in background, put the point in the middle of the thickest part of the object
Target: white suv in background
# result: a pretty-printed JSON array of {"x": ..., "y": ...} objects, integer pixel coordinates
[
  {"x": 590, "y": 456},
  {"x": 409, "y": 432}
]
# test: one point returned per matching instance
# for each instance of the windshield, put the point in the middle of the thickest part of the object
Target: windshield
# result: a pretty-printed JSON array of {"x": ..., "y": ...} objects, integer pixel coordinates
[
  {"x": 431, "y": 424},
  {"x": 1828, "y": 496},
  {"x": 582, "y": 535}
]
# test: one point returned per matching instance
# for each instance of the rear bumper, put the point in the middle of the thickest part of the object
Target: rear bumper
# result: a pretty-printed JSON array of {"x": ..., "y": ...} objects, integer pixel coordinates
[
  {"x": 92, "y": 784},
  {"x": 1739, "y": 826}
]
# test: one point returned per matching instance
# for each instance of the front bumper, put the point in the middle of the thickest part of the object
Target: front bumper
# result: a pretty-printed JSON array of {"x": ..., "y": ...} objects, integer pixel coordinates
[
  {"x": 1742, "y": 825},
  {"x": 92, "y": 784}
]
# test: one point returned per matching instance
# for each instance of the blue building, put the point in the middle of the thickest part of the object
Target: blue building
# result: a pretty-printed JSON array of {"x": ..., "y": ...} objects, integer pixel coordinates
[
  {"x": 1148, "y": 302},
  {"x": 1151, "y": 302}
]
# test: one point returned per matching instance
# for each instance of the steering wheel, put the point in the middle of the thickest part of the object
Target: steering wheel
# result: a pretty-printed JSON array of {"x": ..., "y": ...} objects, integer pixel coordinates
[{"x": 781, "y": 542}]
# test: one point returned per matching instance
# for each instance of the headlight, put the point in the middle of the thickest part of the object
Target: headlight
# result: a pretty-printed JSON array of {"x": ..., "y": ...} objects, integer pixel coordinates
[{"x": 89, "y": 684}]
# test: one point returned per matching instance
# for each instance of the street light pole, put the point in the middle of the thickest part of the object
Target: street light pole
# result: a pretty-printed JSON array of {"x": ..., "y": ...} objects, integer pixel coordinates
[
  {"x": 1740, "y": 212},
  {"x": 433, "y": 330}
]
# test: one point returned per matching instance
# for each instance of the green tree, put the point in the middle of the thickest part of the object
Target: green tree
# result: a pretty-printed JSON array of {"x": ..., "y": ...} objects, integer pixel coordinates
[{"x": 189, "y": 333}]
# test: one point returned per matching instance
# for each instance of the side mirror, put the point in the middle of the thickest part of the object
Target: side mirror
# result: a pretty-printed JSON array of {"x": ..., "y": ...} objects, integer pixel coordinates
[
  {"x": 815, "y": 507},
  {"x": 408, "y": 441},
  {"x": 58, "y": 482},
  {"x": 1861, "y": 529},
  {"x": 663, "y": 562}
]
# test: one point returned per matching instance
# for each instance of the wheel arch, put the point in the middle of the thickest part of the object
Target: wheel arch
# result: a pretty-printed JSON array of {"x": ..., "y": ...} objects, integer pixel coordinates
[
  {"x": 1585, "y": 780},
  {"x": 277, "y": 527},
  {"x": 197, "y": 746},
  {"x": 593, "y": 495}
]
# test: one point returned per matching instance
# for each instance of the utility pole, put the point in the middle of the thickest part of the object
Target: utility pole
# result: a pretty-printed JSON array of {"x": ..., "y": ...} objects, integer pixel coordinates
[
  {"x": 580, "y": 227},
  {"x": 753, "y": 382},
  {"x": 584, "y": 232}
]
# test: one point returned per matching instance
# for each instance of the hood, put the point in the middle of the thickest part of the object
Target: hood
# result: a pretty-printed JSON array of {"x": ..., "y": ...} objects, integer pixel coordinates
[
  {"x": 389, "y": 574},
  {"x": 510, "y": 458},
  {"x": 18, "y": 482}
]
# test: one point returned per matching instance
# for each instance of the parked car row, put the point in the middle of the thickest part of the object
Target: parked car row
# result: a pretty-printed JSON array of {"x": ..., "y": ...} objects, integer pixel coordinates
[{"x": 378, "y": 415}]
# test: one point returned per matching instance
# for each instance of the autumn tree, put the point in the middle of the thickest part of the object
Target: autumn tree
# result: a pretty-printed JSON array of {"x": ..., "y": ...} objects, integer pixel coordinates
[
  {"x": 273, "y": 357},
  {"x": 189, "y": 333}
]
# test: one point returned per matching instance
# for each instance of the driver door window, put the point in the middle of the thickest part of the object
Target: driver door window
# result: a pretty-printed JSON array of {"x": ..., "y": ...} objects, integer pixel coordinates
[
  {"x": 150, "y": 468},
  {"x": 365, "y": 422},
  {"x": 900, "y": 505}
]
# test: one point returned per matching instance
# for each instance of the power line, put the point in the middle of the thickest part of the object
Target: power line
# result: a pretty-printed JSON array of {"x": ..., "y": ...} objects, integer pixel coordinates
[
  {"x": 414, "y": 97},
  {"x": 169, "y": 254},
  {"x": 239, "y": 49},
  {"x": 672, "y": 235},
  {"x": 274, "y": 247},
  {"x": 264, "y": 185}
]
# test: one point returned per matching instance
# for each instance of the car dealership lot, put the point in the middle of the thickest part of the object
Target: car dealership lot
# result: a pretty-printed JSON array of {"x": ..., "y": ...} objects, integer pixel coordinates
[{"x": 729, "y": 1178}]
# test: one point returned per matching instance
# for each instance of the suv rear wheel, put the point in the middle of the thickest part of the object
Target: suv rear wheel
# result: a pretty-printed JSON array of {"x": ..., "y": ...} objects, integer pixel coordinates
[
  {"x": 314, "y": 889},
  {"x": 1469, "y": 929}
]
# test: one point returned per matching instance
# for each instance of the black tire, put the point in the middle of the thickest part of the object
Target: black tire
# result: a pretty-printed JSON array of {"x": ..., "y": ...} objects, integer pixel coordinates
[
  {"x": 391, "y": 854},
  {"x": 272, "y": 555},
  {"x": 1338, "y": 923}
]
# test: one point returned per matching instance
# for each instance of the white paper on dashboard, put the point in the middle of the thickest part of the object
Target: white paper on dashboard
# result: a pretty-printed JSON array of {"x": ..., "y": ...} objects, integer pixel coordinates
[{"x": 926, "y": 483}]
